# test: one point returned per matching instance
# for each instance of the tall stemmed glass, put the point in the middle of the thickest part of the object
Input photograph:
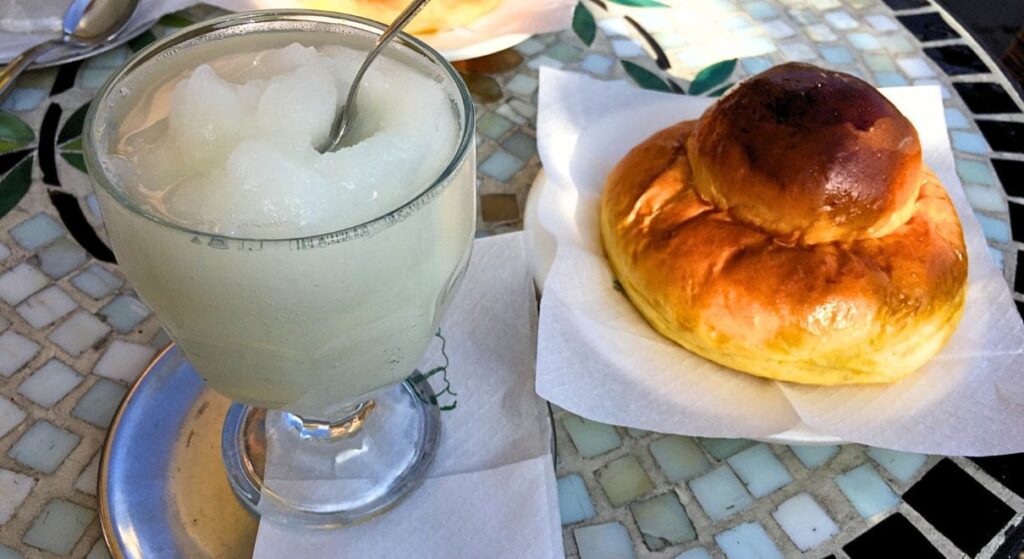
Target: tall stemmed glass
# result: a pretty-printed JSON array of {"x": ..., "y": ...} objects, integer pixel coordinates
[{"x": 316, "y": 337}]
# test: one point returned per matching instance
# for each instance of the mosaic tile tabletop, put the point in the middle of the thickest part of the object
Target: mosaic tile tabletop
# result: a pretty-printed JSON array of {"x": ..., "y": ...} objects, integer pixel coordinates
[{"x": 73, "y": 335}]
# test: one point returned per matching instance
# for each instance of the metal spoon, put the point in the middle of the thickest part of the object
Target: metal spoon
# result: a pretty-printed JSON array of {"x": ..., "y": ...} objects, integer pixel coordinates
[
  {"x": 346, "y": 114},
  {"x": 87, "y": 23}
]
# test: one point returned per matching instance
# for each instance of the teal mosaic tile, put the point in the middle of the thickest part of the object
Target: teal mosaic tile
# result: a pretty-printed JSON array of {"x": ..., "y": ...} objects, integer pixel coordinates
[
  {"x": 975, "y": 171},
  {"x": 663, "y": 521},
  {"x": 814, "y": 456},
  {"x": 50, "y": 383},
  {"x": 8, "y": 553},
  {"x": 46, "y": 307},
  {"x": 59, "y": 527},
  {"x": 804, "y": 16},
  {"x": 901, "y": 465},
  {"x": 679, "y": 457},
  {"x": 79, "y": 333},
  {"x": 805, "y": 522},
  {"x": 955, "y": 118},
  {"x": 124, "y": 313},
  {"x": 99, "y": 404},
  {"x": 624, "y": 480},
  {"x": 864, "y": 41},
  {"x": 590, "y": 437},
  {"x": 842, "y": 20},
  {"x": 99, "y": 551},
  {"x": 544, "y": 61},
  {"x": 19, "y": 282},
  {"x": 597, "y": 64},
  {"x": 724, "y": 448},
  {"x": 995, "y": 229},
  {"x": 96, "y": 70},
  {"x": 761, "y": 10},
  {"x": 695, "y": 553},
  {"x": 61, "y": 257},
  {"x": 997, "y": 257},
  {"x": 879, "y": 62},
  {"x": 627, "y": 48},
  {"x": 867, "y": 491},
  {"x": 837, "y": 55},
  {"x": 986, "y": 198},
  {"x": 969, "y": 142},
  {"x": 14, "y": 488},
  {"x": 43, "y": 447},
  {"x": 36, "y": 232},
  {"x": 4, "y": 251},
  {"x": 530, "y": 47},
  {"x": 889, "y": 79},
  {"x": 604, "y": 541},
  {"x": 756, "y": 64},
  {"x": 574, "y": 504},
  {"x": 521, "y": 145},
  {"x": 493, "y": 126},
  {"x": 15, "y": 351},
  {"x": 720, "y": 493},
  {"x": 87, "y": 480},
  {"x": 778, "y": 29},
  {"x": 24, "y": 99},
  {"x": 522, "y": 84},
  {"x": 563, "y": 52},
  {"x": 760, "y": 470},
  {"x": 798, "y": 52},
  {"x": 747, "y": 541},
  {"x": 96, "y": 282}
]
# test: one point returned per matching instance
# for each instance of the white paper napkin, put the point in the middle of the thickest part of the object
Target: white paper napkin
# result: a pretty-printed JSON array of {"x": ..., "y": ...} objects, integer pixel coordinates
[
  {"x": 598, "y": 357},
  {"x": 24, "y": 23},
  {"x": 491, "y": 490}
]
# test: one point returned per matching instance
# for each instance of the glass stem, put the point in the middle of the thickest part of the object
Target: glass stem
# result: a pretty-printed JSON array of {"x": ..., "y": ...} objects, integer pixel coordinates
[{"x": 347, "y": 422}]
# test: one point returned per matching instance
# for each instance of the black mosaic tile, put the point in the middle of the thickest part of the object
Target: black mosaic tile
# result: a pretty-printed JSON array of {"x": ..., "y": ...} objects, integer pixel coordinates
[
  {"x": 905, "y": 4},
  {"x": 957, "y": 60},
  {"x": 1009, "y": 469},
  {"x": 1003, "y": 136},
  {"x": 928, "y": 27},
  {"x": 1011, "y": 174},
  {"x": 1013, "y": 546},
  {"x": 1020, "y": 309},
  {"x": 893, "y": 537},
  {"x": 47, "y": 140},
  {"x": 986, "y": 98},
  {"x": 958, "y": 505},
  {"x": 1017, "y": 221},
  {"x": 70, "y": 212}
]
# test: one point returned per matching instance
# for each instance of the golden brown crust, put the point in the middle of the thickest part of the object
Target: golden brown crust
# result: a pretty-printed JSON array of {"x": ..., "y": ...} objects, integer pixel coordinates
[
  {"x": 438, "y": 15},
  {"x": 858, "y": 311},
  {"x": 808, "y": 155}
]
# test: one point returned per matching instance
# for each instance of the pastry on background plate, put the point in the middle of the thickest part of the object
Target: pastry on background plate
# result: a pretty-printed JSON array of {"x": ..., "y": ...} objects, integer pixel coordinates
[
  {"x": 792, "y": 232},
  {"x": 438, "y": 15}
]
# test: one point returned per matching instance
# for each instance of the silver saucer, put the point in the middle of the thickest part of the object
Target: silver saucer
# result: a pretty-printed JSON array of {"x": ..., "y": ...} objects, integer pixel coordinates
[{"x": 163, "y": 488}]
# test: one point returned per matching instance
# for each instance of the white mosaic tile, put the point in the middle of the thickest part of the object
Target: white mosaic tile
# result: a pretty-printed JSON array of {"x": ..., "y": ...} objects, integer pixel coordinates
[
  {"x": 747, "y": 541},
  {"x": 597, "y": 64},
  {"x": 98, "y": 551},
  {"x": 614, "y": 27},
  {"x": 10, "y": 416},
  {"x": 20, "y": 282},
  {"x": 96, "y": 282},
  {"x": 15, "y": 351},
  {"x": 955, "y": 118},
  {"x": 987, "y": 198},
  {"x": 695, "y": 553},
  {"x": 842, "y": 20},
  {"x": 778, "y": 29},
  {"x": 4, "y": 251},
  {"x": 522, "y": 84},
  {"x": 805, "y": 522},
  {"x": 867, "y": 491},
  {"x": 61, "y": 257},
  {"x": 36, "y": 231},
  {"x": 881, "y": 23},
  {"x": 87, "y": 480},
  {"x": 679, "y": 457},
  {"x": 574, "y": 504},
  {"x": 59, "y": 527},
  {"x": 814, "y": 456},
  {"x": 544, "y": 61},
  {"x": 14, "y": 487},
  {"x": 901, "y": 465},
  {"x": 662, "y": 520},
  {"x": 821, "y": 33},
  {"x": 798, "y": 52},
  {"x": 124, "y": 361},
  {"x": 50, "y": 383},
  {"x": 916, "y": 67},
  {"x": 44, "y": 447},
  {"x": 969, "y": 142},
  {"x": 79, "y": 333},
  {"x": 99, "y": 403},
  {"x": 8, "y": 553},
  {"x": 45, "y": 307},
  {"x": 627, "y": 48},
  {"x": 864, "y": 41}
]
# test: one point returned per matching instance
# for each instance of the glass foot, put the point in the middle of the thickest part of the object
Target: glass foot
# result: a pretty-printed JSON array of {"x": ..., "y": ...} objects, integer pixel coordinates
[{"x": 332, "y": 474}]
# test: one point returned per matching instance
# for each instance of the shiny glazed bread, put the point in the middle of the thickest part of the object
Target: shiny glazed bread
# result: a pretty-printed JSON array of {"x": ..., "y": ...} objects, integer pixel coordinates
[
  {"x": 792, "y": 232},
  {"x": 438, "y": 15}
]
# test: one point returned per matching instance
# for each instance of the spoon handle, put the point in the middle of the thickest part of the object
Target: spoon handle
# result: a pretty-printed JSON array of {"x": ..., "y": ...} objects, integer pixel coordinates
[
  {"x": 20, "y": 63},
  {"x": 346, "y": 113}
]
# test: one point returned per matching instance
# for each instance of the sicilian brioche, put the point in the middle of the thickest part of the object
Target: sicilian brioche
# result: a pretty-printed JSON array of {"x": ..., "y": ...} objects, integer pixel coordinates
[{"x": 792, "y": 232}]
